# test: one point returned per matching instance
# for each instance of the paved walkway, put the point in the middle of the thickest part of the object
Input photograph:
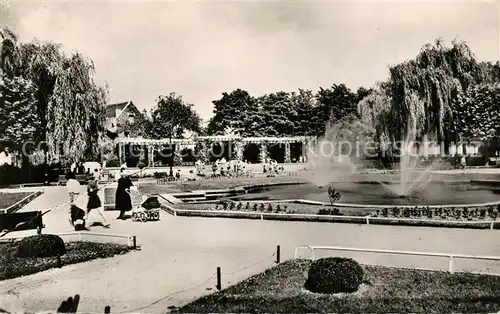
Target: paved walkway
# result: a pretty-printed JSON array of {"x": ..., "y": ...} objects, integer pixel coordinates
[{"x": 179, "y": 253}]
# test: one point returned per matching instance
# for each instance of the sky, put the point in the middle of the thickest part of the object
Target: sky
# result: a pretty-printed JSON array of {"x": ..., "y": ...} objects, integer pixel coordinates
[{"x": 204, "y": 48}]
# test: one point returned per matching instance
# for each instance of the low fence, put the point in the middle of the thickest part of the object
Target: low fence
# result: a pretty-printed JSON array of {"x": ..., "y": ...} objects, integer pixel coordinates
[
  {"x": 431, "y": 261},
  {"x": 99, "y": 238}
]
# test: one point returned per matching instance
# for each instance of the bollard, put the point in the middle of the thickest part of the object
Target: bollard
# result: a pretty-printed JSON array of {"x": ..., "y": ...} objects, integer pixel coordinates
[
  {"x": 134, "y": 242},
  {"x": 219, "y": 285},
  {"x": 76, "y": 302},
  {"x": 107, "y": 309},
  {"x": 278, "y": 251}
]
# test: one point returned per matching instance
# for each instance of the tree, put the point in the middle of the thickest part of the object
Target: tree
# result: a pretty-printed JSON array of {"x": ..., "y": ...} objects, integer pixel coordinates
[
  {"x": 276, "y": 109},
  {"x": 427, "y": 90},
  {"x": 334, "y": 103},
  {"x": 171, "y": 117},
  {"x": 374, "y": 112},
  {"x": 68, "y": 105},
  {"x": 304, "y": 103},
  {"x": 230, "y": 112},
  {"x": 18, "y": 118},
  {"x": 478, "y": 116},
  {"x": 75, "y": 111},
  {"x": 8, "y": 51},
  {"x": 41, "y": 63}
]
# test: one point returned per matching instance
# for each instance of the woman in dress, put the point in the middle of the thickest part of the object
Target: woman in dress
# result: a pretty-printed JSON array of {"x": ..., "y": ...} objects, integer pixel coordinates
[
  {"x": 123, "y": 202},
  {"x": 94, "y": 202}
]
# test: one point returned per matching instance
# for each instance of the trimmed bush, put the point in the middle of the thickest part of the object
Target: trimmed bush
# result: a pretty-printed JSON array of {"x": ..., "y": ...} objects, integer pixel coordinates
[
  {"x": 334, "y": 275},
  {"x": 42, "y": 245}
]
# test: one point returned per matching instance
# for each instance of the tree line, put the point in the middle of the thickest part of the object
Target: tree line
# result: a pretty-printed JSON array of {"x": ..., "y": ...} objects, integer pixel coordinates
[{"x": 444, "y": 93}]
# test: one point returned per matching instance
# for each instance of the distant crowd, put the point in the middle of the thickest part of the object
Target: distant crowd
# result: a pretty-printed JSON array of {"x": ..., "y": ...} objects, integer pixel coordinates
[{"x": 223, "y": 168}]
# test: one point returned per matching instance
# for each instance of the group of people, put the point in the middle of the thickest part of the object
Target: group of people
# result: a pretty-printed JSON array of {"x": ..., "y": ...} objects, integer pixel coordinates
[
  {"x": 272, "y": 167},
  {"x": 78, "y": 216},
  {"x": 222, "y": 168}
]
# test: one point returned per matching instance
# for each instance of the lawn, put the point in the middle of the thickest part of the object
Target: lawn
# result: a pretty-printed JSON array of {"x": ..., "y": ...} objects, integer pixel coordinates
[
  {"x": 9, "y": 199},
  {"x": 76, "y": 252},
  {"x": 280, "y": 289}
]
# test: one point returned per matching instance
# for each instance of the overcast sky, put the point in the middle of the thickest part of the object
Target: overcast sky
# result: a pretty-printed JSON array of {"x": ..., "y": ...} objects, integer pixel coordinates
[{"x": 202, "y": 49}]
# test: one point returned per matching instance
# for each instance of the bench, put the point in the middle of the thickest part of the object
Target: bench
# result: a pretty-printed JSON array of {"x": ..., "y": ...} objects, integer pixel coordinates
[
  {"x": 62, "y": 180},
  {"x": 22, "y": 221},
  {"x": 82, "y": 178}
]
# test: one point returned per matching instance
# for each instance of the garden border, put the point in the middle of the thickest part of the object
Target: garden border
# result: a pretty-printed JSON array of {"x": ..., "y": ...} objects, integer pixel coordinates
[
  {"x": 493, "y": 225},
  {"x": 78, "y": 236},
  {"x": 15, "y": 207}
]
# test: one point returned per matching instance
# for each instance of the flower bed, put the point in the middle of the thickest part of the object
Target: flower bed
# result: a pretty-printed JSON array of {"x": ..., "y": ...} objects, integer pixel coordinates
[
  {"x": 274, "y": 207},
  {"x": 385, "y": 290},
  {"x": 290, "y": 211},
  {"x": 481, "y": 213},
  {"x": 12, "y": 266}
]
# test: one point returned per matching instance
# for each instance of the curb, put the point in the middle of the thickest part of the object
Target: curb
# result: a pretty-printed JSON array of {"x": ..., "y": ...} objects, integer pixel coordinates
[{"x": 493, "y": 225}]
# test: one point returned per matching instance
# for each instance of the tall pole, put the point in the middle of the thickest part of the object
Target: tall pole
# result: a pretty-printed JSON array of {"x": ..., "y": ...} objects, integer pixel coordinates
[
  {"x": 171, "y": 153},
  {"x": 46, "y": 175}
]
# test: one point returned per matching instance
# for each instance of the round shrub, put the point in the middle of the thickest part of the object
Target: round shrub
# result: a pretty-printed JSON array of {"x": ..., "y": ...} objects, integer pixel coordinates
[
  {"x": 334, "y": 275},
  {"x": 42, "y": 245}
]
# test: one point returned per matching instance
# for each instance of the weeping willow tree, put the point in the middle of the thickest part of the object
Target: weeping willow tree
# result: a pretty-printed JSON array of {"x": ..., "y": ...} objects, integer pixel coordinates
[
  {"x": 373, "y": 111},
  {"x": 8, "y": 42},
  {"x": 374, "y": 114},
  {"x": 75, "y": 111},
  {"x": 426, "y": 91},
  {"x": 69, "y": 105}
]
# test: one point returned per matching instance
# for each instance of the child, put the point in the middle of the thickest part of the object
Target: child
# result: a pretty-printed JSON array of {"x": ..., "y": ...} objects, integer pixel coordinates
[
  {"x": 77, "y": 218},
  {"x": 94, "y": 200},
  {"x": 73, "y": 188}
]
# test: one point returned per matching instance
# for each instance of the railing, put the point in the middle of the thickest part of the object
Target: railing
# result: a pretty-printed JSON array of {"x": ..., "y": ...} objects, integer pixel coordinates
[
  {"x": 451, "y": 257},
  {"x": 91, "y": 236}
]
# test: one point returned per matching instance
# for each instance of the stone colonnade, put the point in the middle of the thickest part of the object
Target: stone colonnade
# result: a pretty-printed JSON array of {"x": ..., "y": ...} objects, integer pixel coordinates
[{"x": 239, "y": 143}]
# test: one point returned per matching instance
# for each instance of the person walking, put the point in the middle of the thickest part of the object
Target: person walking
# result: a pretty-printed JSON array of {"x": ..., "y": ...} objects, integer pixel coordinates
[
  {"x": 123, "y": 201},
  {"x": 94, "y": 202}
]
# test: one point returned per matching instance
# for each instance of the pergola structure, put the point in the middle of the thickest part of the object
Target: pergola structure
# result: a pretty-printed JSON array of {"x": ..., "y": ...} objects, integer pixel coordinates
[{"x": 278, "y": 148}]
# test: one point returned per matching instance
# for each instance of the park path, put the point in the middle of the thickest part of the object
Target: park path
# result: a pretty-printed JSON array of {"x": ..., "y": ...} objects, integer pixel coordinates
[{"x": 178, "y": 253}]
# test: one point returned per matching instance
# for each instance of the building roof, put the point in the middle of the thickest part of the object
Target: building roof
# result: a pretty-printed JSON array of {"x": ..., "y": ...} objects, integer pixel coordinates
[{"x": 111, "y": 108}]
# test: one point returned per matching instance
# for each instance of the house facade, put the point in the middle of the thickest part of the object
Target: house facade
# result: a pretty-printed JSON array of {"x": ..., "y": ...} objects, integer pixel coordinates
[{"x": 123, "y": 120}]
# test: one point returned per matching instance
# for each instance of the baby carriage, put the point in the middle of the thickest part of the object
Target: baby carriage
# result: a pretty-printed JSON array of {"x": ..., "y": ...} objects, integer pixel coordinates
[{"x": 148, "y": 210}]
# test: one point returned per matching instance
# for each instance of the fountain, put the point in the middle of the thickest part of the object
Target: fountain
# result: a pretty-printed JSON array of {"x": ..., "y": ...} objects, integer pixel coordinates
[
  {"x": 330, "y": 159},
  {"x": 338, "y": 161}
]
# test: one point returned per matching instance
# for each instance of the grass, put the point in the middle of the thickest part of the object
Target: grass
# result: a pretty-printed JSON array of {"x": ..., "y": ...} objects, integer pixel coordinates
[
  {"x": 9, "y": 199},
  {"x": 280, "y": 289},
  {"x": 76, "y": 252}
]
